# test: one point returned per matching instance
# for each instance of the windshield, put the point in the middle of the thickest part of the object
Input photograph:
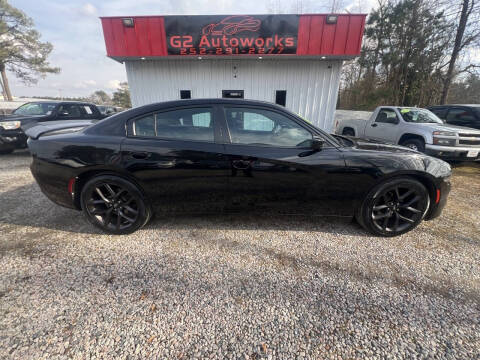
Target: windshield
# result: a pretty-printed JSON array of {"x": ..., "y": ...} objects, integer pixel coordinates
[
  {"x": 415, "y": 115},
  {"x": 35, "y": 108}
]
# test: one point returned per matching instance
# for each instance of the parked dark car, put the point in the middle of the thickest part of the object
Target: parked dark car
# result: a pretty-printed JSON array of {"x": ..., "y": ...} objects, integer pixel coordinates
[
  {"x": 108, "y": 110},
  {"x": 209, "y": 155},
  {"x": 461, "y": 115},
  {"x": 12, "y": 135}
]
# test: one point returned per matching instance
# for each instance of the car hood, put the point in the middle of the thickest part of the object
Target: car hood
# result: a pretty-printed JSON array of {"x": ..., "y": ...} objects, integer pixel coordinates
[
  {"x": 22, "y": 118},
  {"x": 380, "y": 146},
  {"x": 454, "y": 128},
  {"x": 393, "y": 158}
]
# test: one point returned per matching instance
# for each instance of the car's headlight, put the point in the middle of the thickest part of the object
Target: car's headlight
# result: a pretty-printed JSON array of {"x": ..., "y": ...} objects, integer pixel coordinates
[
  {"x": 444, "y": 133},
  {"x": 10, "y": 125},
  {"x": 442, "y": 141}
]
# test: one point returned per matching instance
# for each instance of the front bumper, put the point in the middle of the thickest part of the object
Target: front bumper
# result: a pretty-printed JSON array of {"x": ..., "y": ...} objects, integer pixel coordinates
[
  {"x": 15, "y": 139},
  {"x": 436, "y": 209},
  {"x": 453, "y": 152}
]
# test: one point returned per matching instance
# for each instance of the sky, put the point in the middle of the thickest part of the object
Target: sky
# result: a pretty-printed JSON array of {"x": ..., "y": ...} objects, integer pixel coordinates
[{"x": 74, "y": 29}]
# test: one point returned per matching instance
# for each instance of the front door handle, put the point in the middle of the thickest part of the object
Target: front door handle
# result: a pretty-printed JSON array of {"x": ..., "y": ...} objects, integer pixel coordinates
[
  {"x": 241, "y": 164},
  {"x": 374, "y": 125},
  {"x": 141, "y": 155}
]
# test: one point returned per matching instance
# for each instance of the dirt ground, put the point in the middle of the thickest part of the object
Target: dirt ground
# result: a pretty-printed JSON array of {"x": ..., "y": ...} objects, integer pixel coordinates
[{"x": 235, "y": 286}]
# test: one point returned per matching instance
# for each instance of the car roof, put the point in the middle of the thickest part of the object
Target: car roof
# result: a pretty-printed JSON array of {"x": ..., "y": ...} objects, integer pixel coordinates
[
  {"x": 211, "y": 101},
  {"x": 58, "y": 102}
]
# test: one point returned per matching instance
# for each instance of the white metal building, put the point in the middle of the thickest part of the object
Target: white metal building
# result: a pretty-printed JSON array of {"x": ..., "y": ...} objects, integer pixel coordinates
[{"x": 292, "y": 60}]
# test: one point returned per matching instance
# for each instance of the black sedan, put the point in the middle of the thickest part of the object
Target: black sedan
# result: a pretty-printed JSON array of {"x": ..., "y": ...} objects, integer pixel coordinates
[{"x": 211, "y": 155}]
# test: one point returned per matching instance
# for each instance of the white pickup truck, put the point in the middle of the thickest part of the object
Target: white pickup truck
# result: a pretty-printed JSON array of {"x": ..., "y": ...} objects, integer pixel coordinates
[{"x": 416, "y": 128}]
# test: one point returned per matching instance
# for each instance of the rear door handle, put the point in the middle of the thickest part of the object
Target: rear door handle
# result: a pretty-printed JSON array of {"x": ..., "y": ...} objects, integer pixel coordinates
[
  {"x": 374, "y": 125},
  {"x": 141, "y": 155}
]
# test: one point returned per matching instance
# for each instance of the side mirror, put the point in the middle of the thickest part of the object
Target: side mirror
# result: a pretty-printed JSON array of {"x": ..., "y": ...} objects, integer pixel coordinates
[{"x": 317, "y": 143}]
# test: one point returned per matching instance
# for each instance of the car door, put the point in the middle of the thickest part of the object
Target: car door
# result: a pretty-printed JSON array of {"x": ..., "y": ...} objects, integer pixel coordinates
[
  {"x": 384, "y": 127},
  {"x": 69, "y": 112},
  {"x": 274, "y": 168},
  {"x": 174, "y": 155},
  {"x": 462, "y": 117}
]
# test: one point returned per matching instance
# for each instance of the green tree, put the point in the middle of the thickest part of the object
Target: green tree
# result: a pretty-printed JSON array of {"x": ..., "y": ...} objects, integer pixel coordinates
[
  {"x": 100, "y": 97},
  {"x": 21, "y": 50},
  {"x": 404, "y": 48},
  {"x": 121, "y": 97},
  {"x": 467, "y": 34}
]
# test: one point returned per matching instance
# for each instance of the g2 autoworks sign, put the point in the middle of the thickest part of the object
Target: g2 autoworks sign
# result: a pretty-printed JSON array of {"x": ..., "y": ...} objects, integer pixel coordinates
[{"x": 231, "y": 35}]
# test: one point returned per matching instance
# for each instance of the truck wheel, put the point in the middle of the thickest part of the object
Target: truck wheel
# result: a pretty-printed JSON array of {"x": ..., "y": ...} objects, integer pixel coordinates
[
  {"x": 348, "y": 132},
  {"x": 394, "y": 207},
  {"x": 414, "y": 144}
]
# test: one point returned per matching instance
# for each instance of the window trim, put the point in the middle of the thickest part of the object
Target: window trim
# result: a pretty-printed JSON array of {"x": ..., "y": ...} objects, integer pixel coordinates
[
  {"x": 131, "y": 126},
  {"x": 312, "y": 130}
]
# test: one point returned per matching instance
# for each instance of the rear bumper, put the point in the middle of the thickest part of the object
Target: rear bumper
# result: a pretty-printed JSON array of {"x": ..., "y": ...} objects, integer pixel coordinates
[
  {"x": 436, "y": 208},
  {"x": 453, "y": 152},
  {"x": 53, "y": 181}
]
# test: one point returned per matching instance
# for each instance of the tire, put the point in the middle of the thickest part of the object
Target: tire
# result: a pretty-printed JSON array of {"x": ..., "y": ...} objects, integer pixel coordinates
[
  {"x": 414, "y": 144},
  {"x": 114, "y": 205},
  {"x": 348, "y": 132},
  {"x": 394, "y": 207}
]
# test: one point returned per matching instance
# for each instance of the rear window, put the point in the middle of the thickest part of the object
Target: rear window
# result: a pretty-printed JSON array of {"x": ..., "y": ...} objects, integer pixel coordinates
[{"x": 183, "y": 124}]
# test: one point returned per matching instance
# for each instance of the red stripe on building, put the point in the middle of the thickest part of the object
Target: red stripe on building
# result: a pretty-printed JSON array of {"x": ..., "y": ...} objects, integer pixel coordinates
[{"x": 315, "y": 37}]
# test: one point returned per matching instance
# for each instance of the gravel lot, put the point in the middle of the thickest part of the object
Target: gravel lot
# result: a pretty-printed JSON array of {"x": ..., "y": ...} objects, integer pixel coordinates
[{"x": 235, "y": 287}]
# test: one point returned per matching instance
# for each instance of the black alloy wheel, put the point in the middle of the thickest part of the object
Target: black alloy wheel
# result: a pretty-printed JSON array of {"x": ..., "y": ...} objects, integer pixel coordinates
[
  {"x": 394, "y": 207},
  {"x": 114, "y": 205}
]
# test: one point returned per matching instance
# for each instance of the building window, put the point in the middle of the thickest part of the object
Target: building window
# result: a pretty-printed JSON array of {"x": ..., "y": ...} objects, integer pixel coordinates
[
  {"x": 281, "y": 97},
  {"x": 185, "y": 94},
  {"x": 232, "y": 94}
]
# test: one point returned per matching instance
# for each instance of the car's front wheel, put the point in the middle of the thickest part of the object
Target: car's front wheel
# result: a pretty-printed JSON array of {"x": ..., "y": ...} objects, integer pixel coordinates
[
  {"x": 394, "y": 207},
  {"x": 414, "y": 144},
  {"x": 114, "y": 204}
]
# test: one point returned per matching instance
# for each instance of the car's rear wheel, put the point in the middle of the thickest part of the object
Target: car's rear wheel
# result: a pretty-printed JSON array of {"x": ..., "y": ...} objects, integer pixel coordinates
[
  {"x": 348, "y": 132},
  {"x": 394, "y": 207},
  {"x": 114, "y": 204}
]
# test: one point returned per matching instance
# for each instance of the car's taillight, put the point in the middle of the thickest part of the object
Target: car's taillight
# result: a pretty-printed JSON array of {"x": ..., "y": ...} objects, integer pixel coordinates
[
  {"x": 71, "y": 186},
  {"x": 437, "y": 200}
]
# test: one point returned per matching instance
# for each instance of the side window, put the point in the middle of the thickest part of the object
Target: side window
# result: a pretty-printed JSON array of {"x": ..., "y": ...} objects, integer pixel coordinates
[
  {"x": 69, "y": 111},
  {"x": 145, "y": 126},
  {"x": 183, "y": 124},
  {"x": 264, "y": 127},
  {"x": 440, "y": 112},
  {"x": 387, "y": 116},
  {"x": 460, "y": 116}
]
